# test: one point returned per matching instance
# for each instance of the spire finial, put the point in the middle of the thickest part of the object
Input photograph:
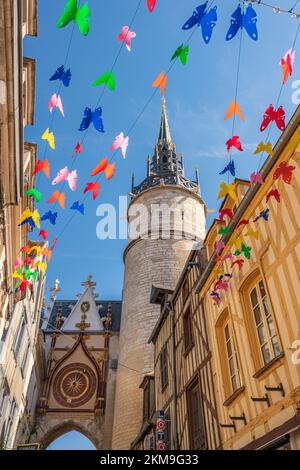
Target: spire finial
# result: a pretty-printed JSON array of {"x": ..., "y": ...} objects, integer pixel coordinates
[{"x": 164, "y": 130}]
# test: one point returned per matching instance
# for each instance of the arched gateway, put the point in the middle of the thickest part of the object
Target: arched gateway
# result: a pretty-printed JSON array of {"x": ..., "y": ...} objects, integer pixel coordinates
[{"x": 81, "y": 345}]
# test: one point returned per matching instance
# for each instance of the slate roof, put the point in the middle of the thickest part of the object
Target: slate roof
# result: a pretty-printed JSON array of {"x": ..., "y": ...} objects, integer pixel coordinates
[{"x": 67, "y": 306}]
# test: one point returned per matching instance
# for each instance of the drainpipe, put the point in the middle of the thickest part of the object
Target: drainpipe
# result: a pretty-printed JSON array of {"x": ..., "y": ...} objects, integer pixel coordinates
[{"x": 174, "y": 368}]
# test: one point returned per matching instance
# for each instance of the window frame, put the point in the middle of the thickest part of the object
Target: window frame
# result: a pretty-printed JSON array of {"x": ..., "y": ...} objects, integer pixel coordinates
[
  {"x": 194, "y": 390},
  {"x": 246, "y": 286},
  {"x": 164, "y": 372},
  {"x": 187, "y": 325}
]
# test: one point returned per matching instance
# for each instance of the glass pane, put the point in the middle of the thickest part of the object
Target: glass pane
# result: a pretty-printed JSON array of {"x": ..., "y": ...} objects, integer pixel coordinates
[
  {"x": 253, "y": 296},
  {"x": 276, "y": 346},
  {"x": 227, "y": 332},
  {"x": 266, "y": 354},
  {"x": 231, "y": 366},
  {"x": 262, "y": 289},
  {"x": 261, "y": 334},
  {"x": 271, "y": 327},
  {"x": 257, "y": 315},
  {"x": 234, "y": 384},
  {"x": 266, "y": 307},
  {"x": 229, "y": 350}
]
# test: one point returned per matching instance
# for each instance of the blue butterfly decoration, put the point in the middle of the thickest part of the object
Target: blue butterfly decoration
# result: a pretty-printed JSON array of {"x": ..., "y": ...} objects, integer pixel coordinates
[
  {"x": 263, "y": 215},
  {"x": 62, "y": 75},
  {"x": 77, "y": 207},
  {"x": 206, "y": 19},
  {"x": 215, "y": 294},
  {"x": 94, "y": 117},
  {"x": 230, "y": 167},
  {"x": 51, "y": 216},
  {"x": 28, "y": 221},
  {"x": 240, "y": 20}
]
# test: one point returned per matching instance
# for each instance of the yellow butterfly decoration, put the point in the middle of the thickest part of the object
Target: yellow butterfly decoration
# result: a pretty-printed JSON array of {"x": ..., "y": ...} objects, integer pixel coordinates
[
  {"x": 42, "y": 266},
  {"x": 35, "y": 248},
  {"x": 34, "y": 215},
  {"x": 253, "y": 234},
  {"x": 218, "y": 271},
  {"x": 262, "y": 147},
  {"x": 227, "y": 189},
  {"x": 49, "y": 136},
  {"x": 17, "y": 275},
  {"x": 237, "y": 241}
]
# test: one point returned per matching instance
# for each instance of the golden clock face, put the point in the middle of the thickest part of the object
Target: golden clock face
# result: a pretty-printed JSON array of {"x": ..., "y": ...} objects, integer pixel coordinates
[
  {"x": 74, "y": 385},
  {"x": 85, "y": 306}
]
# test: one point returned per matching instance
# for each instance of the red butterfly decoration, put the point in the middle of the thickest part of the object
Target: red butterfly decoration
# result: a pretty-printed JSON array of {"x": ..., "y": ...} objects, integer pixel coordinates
[
  {"x": 274, "y": 193},
  {"x": 234, "y": 142},
  {"x": 28, "y": 260},
  {"x": 221, "y": 285},
  {"x": 94, "y": 187},
  {"x": 243, "y": 222},
  {"x": 226, "y": 212},
  {"x": 78, "y": 149},
  {"x": 239, "y": 262},
  {"x": 43, "y": 233},
  {"x": 272, "y": 115},
  {"x": 25, "y": 284},
  {"x": 151, "y": 5},
  {"x": 284, "y": 171}
]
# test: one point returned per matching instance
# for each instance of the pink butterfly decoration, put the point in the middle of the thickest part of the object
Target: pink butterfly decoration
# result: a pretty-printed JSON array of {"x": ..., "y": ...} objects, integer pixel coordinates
[
  {"x": 55, "y": 102},
  {"x": 126, "y": 35},
  {"x": 17, "y": 262},
  {"x": 219, "y": 247},
  {"x": 256, "y": 178},
  {"x": 228, "y": 256},
  {"x": 64, "y": 175},
  {"x": 122, "y": 143}
]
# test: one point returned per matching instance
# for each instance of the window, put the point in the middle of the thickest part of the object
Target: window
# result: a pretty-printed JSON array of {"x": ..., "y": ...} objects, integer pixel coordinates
[
  {"x": 25, "y": 358},
  {"x": 195, "y": 417},
  {"x": 149, "y": 399},
  {"x": 185, "y": 290},
  {"x": 164, "y": 367},
  {"x": 19, "y": 338},
  {"x": 265, "y": 327},
  {"x": 187, "y": 329},
  {"x": 234, "y": 370},
  {"x": 9, "y": 437}
]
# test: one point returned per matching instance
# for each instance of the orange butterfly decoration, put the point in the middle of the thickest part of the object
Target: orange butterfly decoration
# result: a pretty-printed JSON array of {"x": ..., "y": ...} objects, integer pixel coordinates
[
  {"x": 234, "y": 108},
  {"x": 60, "y": 197},
  {"x": 103, "y": 165},
  {"x": 161, "y": 82}
]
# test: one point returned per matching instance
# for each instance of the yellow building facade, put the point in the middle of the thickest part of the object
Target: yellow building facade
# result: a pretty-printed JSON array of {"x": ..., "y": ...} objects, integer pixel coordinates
[{"x": 227, "y": 372}]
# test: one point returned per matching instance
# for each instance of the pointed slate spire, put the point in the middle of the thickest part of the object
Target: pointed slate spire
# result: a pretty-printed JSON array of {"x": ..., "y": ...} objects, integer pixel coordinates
[{"x": 164, "y": 130}]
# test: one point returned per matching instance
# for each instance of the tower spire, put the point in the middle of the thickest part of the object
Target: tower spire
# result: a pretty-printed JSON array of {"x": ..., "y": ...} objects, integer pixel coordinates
[{"x": 164, "y": 130}]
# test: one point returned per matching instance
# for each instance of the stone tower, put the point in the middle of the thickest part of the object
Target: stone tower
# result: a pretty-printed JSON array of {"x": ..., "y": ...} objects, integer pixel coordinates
[{"x": 161, "y": 206}]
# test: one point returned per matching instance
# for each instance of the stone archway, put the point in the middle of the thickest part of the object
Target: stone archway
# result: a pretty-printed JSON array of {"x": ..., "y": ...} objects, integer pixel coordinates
[{"x": 47, "y": 430}]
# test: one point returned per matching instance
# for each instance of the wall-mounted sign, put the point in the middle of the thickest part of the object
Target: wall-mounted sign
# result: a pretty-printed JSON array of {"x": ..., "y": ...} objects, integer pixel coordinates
[
  {"x": 160, "y": 414},
  {"x": 160, "y": 425},
  {"x": 160, "y": 445}
]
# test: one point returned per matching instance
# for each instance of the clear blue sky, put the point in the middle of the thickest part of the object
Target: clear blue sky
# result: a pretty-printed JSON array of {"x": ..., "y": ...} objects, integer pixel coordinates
[{"x": 197, "y": 98}]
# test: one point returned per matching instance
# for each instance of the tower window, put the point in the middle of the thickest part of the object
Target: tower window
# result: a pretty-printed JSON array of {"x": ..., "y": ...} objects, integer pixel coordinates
[{"x": 165, "y": 159}]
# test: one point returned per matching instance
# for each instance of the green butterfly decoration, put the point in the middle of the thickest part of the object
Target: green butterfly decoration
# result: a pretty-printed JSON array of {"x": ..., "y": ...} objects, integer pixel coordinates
[
  {"x": 223, "y": 231},
  {"x": 246, "y": 250},
  {"x": 181, "y": 52},
  {"x": 81, "y": 16},
  {"x": 108, "y": 79},
  {"x": 35, "y": 193},
  {"x": 28, "y": 274}
]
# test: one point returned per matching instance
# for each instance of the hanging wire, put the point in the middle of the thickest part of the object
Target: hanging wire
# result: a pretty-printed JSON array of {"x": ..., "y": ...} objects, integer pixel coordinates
[
  {"x": 133, "y": 125},
  {"x": 276, "y": 8},
  {"x": 277, "y": 102},
  {"x": 102, "y": 92}
]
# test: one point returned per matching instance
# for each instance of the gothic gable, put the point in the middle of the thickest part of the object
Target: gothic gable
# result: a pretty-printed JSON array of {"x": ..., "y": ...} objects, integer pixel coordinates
[{"x": 85, "y": 311}]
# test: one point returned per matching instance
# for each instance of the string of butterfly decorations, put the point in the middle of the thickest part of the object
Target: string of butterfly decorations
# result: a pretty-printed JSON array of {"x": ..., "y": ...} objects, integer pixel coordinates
[{"x": 204, "y": 18}]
